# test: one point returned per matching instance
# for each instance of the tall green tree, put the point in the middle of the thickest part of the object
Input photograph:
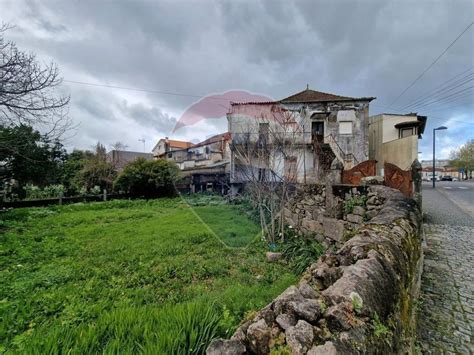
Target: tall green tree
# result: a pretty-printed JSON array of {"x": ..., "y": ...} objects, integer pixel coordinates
[
  {"x": 463, "y": 158},
  {"x": 97, "y": 171},
  {"x": 29, "y": 157},
  {"x": 72, "y": 167},
  {"x": 148, "y": 178}
]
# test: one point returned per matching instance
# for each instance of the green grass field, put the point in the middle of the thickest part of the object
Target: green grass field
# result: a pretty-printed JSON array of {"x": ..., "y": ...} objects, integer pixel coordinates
[{"x": 129, "y": 276}]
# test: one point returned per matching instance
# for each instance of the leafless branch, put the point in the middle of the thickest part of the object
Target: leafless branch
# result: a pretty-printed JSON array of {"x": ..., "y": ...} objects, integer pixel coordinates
[{"x": 28, "y": 91}]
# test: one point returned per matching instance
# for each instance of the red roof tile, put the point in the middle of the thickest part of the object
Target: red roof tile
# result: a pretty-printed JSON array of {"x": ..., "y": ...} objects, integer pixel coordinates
[{"x": 309, "y": 95}]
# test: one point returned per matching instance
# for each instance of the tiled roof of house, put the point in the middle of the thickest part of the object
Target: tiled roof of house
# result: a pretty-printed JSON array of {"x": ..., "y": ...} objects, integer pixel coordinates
[
  {"x": 309, "y": 95},
  {"x": 217, "y": 138},
  {"x": 179, "y": 144}
]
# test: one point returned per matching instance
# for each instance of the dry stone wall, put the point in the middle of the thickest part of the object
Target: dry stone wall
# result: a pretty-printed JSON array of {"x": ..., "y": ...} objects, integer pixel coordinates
[
  {"x": 309, "y": 212},
  {"x": 356, "y": 300}
]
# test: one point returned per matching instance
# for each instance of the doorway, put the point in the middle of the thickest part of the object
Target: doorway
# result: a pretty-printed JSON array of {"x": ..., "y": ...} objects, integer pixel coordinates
[{"x": 317, "y": 131}]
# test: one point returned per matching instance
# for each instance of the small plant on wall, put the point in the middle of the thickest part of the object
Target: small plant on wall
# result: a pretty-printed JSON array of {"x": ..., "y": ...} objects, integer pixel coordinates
[
  {"x": 301, "y": 250},
  {"x": 354, "y": 201}
]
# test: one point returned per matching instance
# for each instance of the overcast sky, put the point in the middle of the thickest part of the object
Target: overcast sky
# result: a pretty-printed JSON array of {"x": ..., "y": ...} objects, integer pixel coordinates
[{"x": 274, "y": 48}]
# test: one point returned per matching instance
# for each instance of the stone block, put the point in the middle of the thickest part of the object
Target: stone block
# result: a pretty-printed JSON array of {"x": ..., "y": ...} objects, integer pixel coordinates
[
  {"x": 307, "y": 291},
  {"x": 287, "y": 213},
  {"x": 327, "y": 349},
  {"x": 272, "y": 257},
  {"x": 333, "y": 228},
  {"x": 225, "y": 347},
  {"x": 285, "y": 320},
  {"x": 259, "y": 336},
  {"x": 371, "y": 214},
  {"x": 281, "y": 302},
  {"x": 311, "y": 225},
  {"x": 358, "y": 210},
  {"x": 372, "y": 180},
  {"x": 353, "y": 218},
  {"x": 308, "y": 310},
  {"x": 300, "y": 337}
]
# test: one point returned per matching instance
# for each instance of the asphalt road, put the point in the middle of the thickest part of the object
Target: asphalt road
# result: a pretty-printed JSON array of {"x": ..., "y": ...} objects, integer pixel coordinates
[{"x": 449, "y": 203}]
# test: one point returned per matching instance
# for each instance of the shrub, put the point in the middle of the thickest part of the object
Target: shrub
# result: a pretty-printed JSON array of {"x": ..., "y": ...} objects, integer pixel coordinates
[
  {"x": 354, "y": 201},
  {"x": 301, "y": 251},
  {"x": 380, "y": 329},
  {"x": 148, "y": 178},
  {"x": 35, "y": 193}
]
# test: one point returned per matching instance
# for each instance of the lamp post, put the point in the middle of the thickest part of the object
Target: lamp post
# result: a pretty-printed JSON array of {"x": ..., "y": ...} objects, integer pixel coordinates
[{"x": 434, "y": 151}]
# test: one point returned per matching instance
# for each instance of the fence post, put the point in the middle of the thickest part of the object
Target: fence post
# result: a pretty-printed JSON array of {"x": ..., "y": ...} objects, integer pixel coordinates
[
  {"x": 105, "y": 194},
  {"x": 60, "y": 198}
]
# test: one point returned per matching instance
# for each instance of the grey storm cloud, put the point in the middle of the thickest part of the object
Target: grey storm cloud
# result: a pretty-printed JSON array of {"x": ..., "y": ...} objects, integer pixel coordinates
[
  {"x": 149, "y": 116},
  {"x": 275, "y": 48}
]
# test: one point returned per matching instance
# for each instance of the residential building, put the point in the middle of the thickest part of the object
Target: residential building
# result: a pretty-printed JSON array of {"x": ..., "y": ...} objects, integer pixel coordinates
[
  {"x": 394, "y": 139},
  {"x": 166, "y": 145},
  {"x": 443, "y": 168},
  {"x": 321, "y": 127},
  {"x": 120, "y": 158},
  {"x": 204, "y": 165}
]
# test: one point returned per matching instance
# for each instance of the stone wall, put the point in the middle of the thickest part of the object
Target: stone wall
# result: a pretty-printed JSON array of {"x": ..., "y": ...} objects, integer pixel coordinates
[
  {"x": 315, "y": 210},
  {"x": 358, "y": 299}
]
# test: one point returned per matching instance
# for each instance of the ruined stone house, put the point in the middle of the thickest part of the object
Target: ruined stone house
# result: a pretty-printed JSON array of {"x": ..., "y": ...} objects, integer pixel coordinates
[{"x": 322, "y": 128}]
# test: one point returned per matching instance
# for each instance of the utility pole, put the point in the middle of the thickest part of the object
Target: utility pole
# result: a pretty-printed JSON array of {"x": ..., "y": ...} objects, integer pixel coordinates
[
  {"x": 143, "y": 141},
  {"x": 434, "y": 152}
]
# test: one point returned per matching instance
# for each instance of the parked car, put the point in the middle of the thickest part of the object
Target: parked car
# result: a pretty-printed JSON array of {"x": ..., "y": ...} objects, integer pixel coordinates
[{"x": 447, "y": 178}]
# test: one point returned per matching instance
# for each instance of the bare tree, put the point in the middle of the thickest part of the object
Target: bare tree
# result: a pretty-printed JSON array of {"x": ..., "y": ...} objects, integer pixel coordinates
[
  {"x": 267, "y": 156},
  {"x": 119, "y": 146},
  {"x": 28, "y": 91}
]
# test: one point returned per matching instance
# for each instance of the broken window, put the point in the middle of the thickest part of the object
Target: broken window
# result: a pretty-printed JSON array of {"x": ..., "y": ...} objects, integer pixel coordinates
[{"x": 317, "y": 131}]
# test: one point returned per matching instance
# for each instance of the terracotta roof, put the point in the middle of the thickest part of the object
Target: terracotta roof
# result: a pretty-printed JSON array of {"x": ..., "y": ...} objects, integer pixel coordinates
[
  {"x": 309, "y": 95},
  {"x": 179, "y": 144},
  {"x": 217, "y": 138}
]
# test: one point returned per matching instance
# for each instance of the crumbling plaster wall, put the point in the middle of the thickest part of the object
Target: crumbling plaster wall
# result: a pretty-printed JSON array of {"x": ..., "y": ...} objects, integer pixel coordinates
[
  {"x": 244, "y": 119},
  {"x": 335, "y": 307},
  {"x": 358, "y": 142}
]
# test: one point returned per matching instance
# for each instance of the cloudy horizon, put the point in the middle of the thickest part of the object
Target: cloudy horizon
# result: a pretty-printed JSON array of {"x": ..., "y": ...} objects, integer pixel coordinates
[{"x": 177, "y": 52}]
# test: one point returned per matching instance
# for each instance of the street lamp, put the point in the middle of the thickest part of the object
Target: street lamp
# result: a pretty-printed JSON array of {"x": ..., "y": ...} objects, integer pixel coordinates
[{"x": 434, "y": 145}]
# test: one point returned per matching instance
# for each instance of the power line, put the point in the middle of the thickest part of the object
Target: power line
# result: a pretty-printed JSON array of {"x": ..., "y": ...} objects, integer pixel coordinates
[
  {"x": 143, "y": 90},
  {"x": 459, "y": 104},
  {"x": 439, "y": 89},
  {"x": 441, "y": 85},
  {"x": 437, "y": 95},
  {"x": 429, "y": 116},
  {"x": 456, "y": 94},
  {"x": 442, "y": 105},
  {"x": 432, "y": 64}
]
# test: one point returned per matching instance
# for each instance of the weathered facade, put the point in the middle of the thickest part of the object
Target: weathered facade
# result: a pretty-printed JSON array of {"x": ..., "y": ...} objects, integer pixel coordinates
[
  {"x": 204, "y": 165},
  {"x": 321, "y": 127}
]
